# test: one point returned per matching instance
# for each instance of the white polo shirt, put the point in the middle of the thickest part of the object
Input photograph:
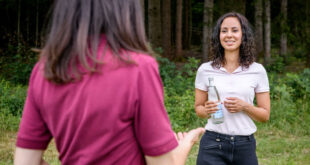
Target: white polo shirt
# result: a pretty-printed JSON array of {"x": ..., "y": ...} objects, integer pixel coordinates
[{"x": 242, "y": 83}]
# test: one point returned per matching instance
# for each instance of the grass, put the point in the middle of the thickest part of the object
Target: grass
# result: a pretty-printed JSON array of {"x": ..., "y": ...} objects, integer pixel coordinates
[
  {"x": 279, "y": 147},
  {"x": 274, "y": 147}
]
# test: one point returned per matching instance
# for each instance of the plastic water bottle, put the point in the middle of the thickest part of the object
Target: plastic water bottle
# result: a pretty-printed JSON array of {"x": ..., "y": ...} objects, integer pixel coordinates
[{"x": 213, "y": 95}]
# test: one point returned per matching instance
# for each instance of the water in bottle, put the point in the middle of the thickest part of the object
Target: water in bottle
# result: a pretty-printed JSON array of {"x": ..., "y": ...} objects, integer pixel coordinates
[{"x": 213, "y": 95}]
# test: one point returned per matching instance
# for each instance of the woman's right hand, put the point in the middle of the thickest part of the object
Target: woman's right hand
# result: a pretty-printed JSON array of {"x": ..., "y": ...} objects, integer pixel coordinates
[
  {"x": 204, "y": 108},
  {"x": 210, "y": 107}
]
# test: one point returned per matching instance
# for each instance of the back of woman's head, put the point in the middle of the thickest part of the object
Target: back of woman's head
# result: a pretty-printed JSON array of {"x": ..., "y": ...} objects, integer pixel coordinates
[
  {"x": 247, "y": 47},
  {"x": 75, "y": 30}
]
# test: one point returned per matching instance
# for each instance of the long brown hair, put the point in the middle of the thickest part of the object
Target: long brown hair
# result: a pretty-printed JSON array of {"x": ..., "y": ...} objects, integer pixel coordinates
[
  {"x": 75, "y": 31},
  {"x": 247, "y": 47}
]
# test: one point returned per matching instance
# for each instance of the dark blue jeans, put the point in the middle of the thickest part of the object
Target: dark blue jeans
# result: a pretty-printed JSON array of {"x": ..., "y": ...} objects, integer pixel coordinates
[{"x": 220, "y": 149}]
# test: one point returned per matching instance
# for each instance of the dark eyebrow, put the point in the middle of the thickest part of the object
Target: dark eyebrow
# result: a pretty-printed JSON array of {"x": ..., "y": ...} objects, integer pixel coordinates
[{"x": 227, "y": 28}]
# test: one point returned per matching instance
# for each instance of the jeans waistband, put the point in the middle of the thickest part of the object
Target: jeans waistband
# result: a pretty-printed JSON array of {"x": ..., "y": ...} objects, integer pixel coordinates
[{"x": 229, "y": 137}]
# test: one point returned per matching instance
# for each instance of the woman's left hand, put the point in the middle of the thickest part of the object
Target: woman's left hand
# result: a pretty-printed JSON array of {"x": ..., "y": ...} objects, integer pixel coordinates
[{"x": 234, "y": 104}]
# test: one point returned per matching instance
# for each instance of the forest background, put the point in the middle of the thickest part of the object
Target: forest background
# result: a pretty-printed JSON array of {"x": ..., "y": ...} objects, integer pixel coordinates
[{"x": 179, "y": 32}]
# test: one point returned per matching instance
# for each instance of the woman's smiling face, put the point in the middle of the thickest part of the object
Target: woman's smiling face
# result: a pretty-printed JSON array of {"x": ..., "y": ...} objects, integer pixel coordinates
[{"x": 231, "y": 34}]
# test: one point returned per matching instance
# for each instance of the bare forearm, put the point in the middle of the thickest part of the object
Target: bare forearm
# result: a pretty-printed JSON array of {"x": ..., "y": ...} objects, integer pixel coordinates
[
  {"x": 28, "y": 156},
  {"x": 201, "y": 112},
  {"x": 182, "y": 152},
  {"x": 257, "y": 113}
]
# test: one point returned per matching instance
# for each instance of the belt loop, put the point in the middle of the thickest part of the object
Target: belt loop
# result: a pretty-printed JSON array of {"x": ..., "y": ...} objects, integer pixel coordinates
[{"x": 217, "y": 137}]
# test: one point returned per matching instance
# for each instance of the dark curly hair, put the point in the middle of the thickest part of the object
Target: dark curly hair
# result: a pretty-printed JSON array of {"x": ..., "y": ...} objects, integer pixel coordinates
[{"x": 247, "y": 47}]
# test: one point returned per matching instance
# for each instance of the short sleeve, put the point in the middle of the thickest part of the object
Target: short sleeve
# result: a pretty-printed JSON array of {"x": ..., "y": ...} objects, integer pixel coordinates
[
  {"x": 263, "y": 82},
  {"x": 199, "y": 81},
  {"x": 33, "y": 132},
  {"x": 152, "y": 125}
]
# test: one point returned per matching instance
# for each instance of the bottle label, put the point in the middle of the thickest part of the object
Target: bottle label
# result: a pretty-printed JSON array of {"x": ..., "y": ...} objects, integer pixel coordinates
[{"x": 219, "y": 113}]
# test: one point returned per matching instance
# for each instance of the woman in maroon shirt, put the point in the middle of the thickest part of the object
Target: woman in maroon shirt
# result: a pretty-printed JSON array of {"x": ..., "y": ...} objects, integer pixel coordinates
[{"x": 97, "y": 92}]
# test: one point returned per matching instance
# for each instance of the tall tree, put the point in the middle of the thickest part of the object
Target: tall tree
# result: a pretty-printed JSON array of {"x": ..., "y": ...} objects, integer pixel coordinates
[
  {"x": 166, "y": 39},
  {"x": 18, "y": 22},
  {"x": 154, "y": 23},
  {"x": 231, "y": 5},
  {"x": 178, "y": 35},
  {"x": 308, "y": 31},
  {"x": 187, "y": 24},
  {"x": 259, "y": 26},
  {"x": 267, "y": 33},
  {"x": 207, "y": 28},
  {"x": 37, "y": 23},
  {"x": 283, "y": 45}
]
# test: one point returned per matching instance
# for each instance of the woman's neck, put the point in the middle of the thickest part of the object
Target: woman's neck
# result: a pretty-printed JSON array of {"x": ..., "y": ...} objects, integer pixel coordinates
[{"x": 231, "y": 60}]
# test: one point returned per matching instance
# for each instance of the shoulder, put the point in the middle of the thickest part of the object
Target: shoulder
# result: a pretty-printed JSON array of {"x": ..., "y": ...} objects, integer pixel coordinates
[
  {"x": 257, "y": 67},
  {"x": 37, "y": 71},
  {"x": 143, "y": 58},
  {"x": 205, "y": 66},
  {"x": 144, "y": 63}
]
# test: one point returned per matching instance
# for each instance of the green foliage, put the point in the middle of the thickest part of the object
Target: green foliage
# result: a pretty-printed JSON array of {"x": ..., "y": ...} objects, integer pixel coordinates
[
  {"x": 12, "y": 98},
  {"x": 290, "y": 99},
  {"x": 276, "y": 64},
  {"x": 179, "y": 92},
  {"x": 8, "y": 122},
  {"x": 181, "y": 111},
  {"x": 166, "y": 69},
  {"x": 11, "y": 104},
  {"x": 290, "y": 102},
  {"x": 16, "y": 64},
  {"x": 297, "y": 86},
  {"x": 177, "y": 79},
  {"x": 301, "y": 84}
]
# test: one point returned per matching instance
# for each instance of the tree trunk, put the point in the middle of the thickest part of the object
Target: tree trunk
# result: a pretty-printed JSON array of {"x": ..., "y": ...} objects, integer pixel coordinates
[
  {"x": 267, "y": 33},
  {"x": 308, "y": 31},
  {"x": 231, "y": 5},
  {"x": 178, "y": 38},
  {"x": 259, "y": 27},
  {"x": 37, "y": 23},
  {"x": 28, "y": 38},
  {"x": 240, "y": 6},
  {"x": 190, "y": 26},
  {"x": 154, "y": 23},
  {"x": 187, "y": 24},
  {"x": 166, "y": 42},
  {"x": 18, "y": 22},
  {"x": 283, "y": 49},
  {"x": 207, "y": 28}
]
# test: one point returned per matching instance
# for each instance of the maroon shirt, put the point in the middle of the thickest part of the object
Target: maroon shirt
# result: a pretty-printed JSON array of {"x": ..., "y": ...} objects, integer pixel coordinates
[{"x": 113, "y": 117}]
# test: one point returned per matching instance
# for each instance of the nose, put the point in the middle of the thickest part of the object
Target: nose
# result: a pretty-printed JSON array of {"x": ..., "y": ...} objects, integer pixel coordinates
[{"x": 229, "y": 33}]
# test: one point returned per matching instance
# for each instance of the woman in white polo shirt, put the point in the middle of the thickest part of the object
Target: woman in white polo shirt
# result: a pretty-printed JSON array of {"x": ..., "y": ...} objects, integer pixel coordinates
[{"x": 238, "y": 79}]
